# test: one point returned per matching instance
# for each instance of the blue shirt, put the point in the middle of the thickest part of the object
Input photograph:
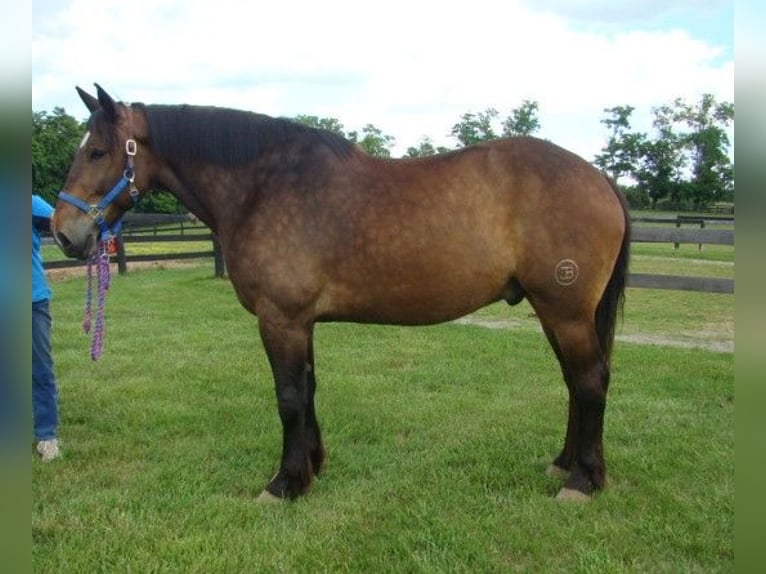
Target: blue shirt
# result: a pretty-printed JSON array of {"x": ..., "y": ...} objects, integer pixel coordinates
[{"x": 41, "y": 210}]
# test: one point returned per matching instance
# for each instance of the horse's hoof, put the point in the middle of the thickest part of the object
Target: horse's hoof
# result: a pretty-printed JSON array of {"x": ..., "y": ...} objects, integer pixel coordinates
[
  {"x": 572, "y": 495},
  {"x": 557, "y": 472},
  {"x": 267, "y": 498}
]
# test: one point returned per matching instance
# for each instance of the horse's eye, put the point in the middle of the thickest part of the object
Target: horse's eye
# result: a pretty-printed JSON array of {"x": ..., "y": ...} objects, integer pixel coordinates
[{"x": 97, "y": 154}]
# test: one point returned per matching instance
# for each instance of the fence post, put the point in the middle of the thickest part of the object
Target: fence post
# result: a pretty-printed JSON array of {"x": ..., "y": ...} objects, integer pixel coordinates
[
  {"x": 220, "y": 266},
  {"x": 678, "y": 225},
  {"x": 119, "y": 243}
]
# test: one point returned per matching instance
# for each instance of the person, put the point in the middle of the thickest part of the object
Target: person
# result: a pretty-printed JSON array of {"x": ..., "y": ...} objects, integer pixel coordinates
[{"x": 44, "y": 391}]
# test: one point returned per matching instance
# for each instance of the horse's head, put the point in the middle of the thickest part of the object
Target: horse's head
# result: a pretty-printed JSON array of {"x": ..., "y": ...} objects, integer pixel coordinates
[{"x": 108, "y": 170}]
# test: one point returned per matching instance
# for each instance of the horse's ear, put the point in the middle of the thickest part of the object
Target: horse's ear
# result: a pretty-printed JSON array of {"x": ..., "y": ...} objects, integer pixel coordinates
[
  {"x": 107, "y": 104},
  {"x": 90, "y": 102}
]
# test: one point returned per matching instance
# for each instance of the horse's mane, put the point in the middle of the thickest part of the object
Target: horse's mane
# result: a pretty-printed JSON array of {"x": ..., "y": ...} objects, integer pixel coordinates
[{"x": 226, "y": 136}]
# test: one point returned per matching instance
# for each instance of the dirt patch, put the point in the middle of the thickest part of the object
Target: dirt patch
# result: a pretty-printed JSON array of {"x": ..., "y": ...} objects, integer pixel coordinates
[
  {"x": 719, "y": 341},
  {"x": 717, "y": 346},
  {"x": 55, "y": 275},
  {"x": 491, "y": 323}
]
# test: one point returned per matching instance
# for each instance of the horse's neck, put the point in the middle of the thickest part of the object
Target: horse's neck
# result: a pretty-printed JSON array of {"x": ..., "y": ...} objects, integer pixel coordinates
[{"x": 187, "y": 187}]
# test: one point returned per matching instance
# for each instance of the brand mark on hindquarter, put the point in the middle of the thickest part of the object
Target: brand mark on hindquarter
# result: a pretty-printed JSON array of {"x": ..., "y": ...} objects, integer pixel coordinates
[{"x": 566, "y": 272}]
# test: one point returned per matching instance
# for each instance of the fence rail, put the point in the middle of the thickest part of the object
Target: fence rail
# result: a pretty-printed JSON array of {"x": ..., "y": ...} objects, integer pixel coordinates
[
  {"x": 152, "y": 228},
  {"x": 681, "y": 283},
  {"x": 670, "y": 230},
  {"x": 671, "y": 235}
]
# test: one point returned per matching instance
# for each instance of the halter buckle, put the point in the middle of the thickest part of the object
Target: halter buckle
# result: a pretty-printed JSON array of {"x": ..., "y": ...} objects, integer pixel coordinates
[
  {"x": 131, "y": 147},
  {"x": 96, "y": 213}
]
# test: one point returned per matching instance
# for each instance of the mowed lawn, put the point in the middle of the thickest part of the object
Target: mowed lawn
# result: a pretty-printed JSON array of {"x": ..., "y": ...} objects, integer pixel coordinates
[{"x": 437, "y": 441}]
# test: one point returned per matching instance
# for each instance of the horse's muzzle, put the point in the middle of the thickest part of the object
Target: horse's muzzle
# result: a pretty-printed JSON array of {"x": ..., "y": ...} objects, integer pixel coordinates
[{"x": 76, "y": 251}]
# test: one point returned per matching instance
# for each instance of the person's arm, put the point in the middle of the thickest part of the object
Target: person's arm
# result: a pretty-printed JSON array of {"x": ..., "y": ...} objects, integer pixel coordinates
[
  {"x": 41, "y": 223},
  {"x": 41, "y": 214}
]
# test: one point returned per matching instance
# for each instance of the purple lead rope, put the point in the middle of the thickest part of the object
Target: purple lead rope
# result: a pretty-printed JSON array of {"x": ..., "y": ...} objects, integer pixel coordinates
[{"x": 101, "y": 259}]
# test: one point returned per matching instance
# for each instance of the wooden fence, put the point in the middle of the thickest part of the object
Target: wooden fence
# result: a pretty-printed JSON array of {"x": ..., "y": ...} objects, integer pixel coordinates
[
  {"x": 153, "y": 228},
  {"x": 671, "y": 231},
  {"x": 157, "y": 228}
]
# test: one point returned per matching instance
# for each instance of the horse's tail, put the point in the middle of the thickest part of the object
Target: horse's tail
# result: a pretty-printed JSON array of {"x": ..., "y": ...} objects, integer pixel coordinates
[{"x": 614, "y": 295}]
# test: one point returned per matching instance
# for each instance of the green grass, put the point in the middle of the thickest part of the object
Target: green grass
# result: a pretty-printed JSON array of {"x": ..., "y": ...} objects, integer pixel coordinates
[{"x": 437, "y": 440}]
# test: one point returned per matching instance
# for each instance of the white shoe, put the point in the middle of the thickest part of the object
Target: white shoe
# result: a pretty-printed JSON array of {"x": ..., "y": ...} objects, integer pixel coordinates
[{"x": 48, "y": 449}]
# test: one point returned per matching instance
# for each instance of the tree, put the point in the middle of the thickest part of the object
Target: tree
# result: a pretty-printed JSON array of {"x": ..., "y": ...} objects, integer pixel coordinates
[
  {"x": 474, "y": 128},
  {"x": 329, "y": 124},
  {"x": 522, "y": 121},
  {"x": 159, "y": 202},
  {"x": 621, "y": 154},
  {"x": 659, "y": 173},
  {"x": 55, "y": 138},
  {"x": 684, "y": 162},
  {"x": 373, "y": 141},
  {"x": 425, "y": 148},
  {"x": 707, "y": 144}
]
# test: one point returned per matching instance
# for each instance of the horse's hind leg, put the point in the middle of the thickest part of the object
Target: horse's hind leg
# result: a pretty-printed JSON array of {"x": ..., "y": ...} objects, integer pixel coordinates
[
  {"x": 562, "y": 464},
  {"x": 587, "y": 376}
]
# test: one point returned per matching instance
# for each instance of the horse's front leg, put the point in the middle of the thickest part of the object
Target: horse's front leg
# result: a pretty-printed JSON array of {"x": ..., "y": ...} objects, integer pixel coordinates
[
  {"x": 287, "y": 347},
  {"x": 313, "y": 434}
]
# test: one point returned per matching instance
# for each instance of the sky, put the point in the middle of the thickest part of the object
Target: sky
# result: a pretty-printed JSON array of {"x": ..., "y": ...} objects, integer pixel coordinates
[{"x": 411, "y": 68}]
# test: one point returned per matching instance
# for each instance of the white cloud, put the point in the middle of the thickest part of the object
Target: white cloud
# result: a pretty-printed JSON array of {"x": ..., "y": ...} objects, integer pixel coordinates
[
  {"x": 630, "y": 11},
  {"x": 14, "y": 55},
  {"x": 410, "y": 68}
]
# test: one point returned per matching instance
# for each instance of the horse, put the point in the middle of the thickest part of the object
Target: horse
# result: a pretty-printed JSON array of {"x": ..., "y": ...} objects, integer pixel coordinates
[{"x": 313, "y": 229}]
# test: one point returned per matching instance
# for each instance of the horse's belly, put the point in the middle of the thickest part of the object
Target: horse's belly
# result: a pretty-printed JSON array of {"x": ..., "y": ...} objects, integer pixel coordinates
[{"x": 422, "y": 301}]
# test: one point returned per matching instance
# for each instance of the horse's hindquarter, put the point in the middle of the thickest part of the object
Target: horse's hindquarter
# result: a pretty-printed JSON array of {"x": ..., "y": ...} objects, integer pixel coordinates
[{"x": 569, "y": 224}]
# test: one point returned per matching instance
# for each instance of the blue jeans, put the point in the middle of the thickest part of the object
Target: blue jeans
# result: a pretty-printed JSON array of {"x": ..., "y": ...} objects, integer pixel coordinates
[{"x": 44, "y": 393}]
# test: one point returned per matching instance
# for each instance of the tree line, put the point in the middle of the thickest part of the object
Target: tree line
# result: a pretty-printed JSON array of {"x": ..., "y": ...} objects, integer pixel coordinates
[{"x": 683, "y": 164}]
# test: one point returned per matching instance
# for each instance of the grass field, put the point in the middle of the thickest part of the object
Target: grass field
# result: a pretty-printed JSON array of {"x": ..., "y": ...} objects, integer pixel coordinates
[{"x": 437, "y": 441}]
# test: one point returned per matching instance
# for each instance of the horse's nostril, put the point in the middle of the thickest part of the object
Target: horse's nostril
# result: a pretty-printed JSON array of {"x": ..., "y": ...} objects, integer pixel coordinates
[
  {"x": 62, "y": 240},
  {"x": 72, "y": 249}
]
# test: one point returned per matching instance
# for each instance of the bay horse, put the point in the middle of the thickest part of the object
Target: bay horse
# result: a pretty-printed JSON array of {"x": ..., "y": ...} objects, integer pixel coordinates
[{"x": 313, "y": 229}]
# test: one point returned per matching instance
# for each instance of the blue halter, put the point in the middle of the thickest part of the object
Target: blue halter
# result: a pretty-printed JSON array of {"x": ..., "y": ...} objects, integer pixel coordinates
[{"x": 96, "y": 210}]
